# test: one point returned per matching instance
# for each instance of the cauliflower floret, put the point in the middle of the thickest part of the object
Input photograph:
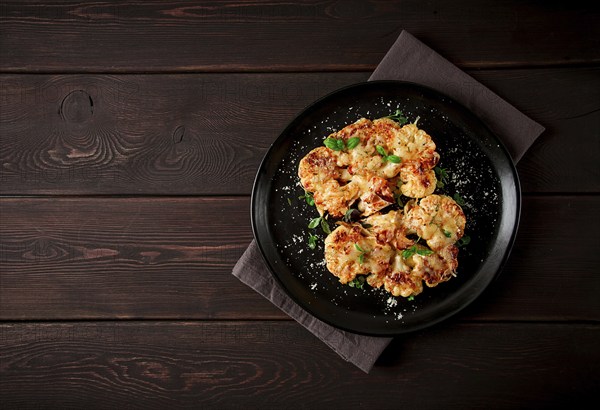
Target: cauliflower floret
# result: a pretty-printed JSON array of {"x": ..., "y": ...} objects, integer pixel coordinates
[
  {"x": 417, "y": 181},
  {"x": 343, "y": 250},
  {"x": 436, "y": 218},
  {"x": 437, "y": 267},
  {"x": 376, "y": 194},
  {"x": 376, "y": 161},
  {"x": 381, "y": 152},
  {"x": 389, "y": 228},
  {"x": 320, "y": 174}
]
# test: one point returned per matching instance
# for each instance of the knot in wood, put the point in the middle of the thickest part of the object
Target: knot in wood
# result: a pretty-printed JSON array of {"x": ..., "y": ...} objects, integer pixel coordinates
[{"x": 77, "y": 107}]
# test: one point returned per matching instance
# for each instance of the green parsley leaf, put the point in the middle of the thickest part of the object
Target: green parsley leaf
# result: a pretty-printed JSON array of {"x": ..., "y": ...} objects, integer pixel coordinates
[
  {"x": 314, "y": 222},
  {"x": 308, "y": 198},
  {"x": 411, "y": 298},
  {"x": 312, "y": 241},
  {"x": 442, "y": 176},
  {"x": 325, "y": 226},
  {"x": 394, "y": 158},
  {"x": 398, "y": 116},
  {"x": 464, "y": 241},
  {"x": 408, "y": 252},
  {"x": 331, "y": 143},
  {"x": 459, "y": 199},
  {"x": 334, "y": 144},
  {"x": 361, "y": 257},
  {"x": 447, "y": 234},
  {"x": 348, "y": 215},
  {"x": 357, "y": 283},
  {"x": 424, "y": 252},
  {"x": 352, "y": 142},
  {"x": 399, "y": 200}
]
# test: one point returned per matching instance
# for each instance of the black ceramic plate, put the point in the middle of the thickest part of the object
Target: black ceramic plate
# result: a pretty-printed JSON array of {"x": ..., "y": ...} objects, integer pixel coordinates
[{"x": 479, "y": 169}]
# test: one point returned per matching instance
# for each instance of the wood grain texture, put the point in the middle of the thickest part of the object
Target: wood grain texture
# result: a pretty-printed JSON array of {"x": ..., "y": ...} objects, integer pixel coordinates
[
  {"x": 161, "y": 258},
  {"x": 114, "y": 302},
  {"x": 155, "y": 35},
  {"x": 206, "y": 134},
  {"x": 567, "y": 104},
  {"x": 147, "y": 134},
  {"x": 271, "y": 365},
  {"x": 158, "y": 256}
]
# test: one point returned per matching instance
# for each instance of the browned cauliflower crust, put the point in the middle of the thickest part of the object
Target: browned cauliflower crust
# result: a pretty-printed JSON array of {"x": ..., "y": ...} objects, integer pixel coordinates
[
  {"x": 399, "y": 250},
  {"x": 389, "y": 257},
  {"x": 438, "y": 219},
  {"x": 339, "y": 178}
]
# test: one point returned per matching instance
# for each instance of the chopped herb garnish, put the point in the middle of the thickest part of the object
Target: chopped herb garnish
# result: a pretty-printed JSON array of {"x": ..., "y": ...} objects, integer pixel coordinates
[
  {"x": 357, "y": 283},
  {"x": 399, "y": 200},
  {"x": 361, "y": 257},
  {"x": 319, "y": 221},
  {"x": 314, "y": 222},
  {"x": 411, "y": 298},
  {"x": 312, "y": 240},
  {"x": 348, "y": 215},
  {"x": 334, "y": 144},
  {"x": 352, "y": 142},
  {"x": 447, "y": 234},
  {"x": 442, "y": 176},
  {"x": 289, "y": 201},
  {"x": 399, "y": 117},
  {"x": 407, "y": 253},
  {"x": 459, "y": 199},
  {"x": 308, "y": 198},
  {"x": 464, "y": 241},
  {"x": 392, "y": 158},
  {"x": 325, "y": 226}
]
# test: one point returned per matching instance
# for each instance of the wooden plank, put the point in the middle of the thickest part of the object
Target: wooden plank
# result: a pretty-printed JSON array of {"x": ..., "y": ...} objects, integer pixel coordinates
[
  {"x": 206, "y": 134},
  {"x": 150, "y": 365},
  {"x": 552, "y": 258},
  {"x": 572, "y": 129},
  {"x": 161, "y": 258},
  {"x": 155, "y": 35},
  {"x": 125, "y": 258},
  {"x": 166, "y": 134}
]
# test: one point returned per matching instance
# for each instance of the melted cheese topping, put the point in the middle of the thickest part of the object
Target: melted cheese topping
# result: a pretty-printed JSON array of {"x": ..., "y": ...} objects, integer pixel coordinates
[
  {"x": 384, "y": 246},
  {"x": 386, "y": 256},
  {"x": 343, "y": 253},
  {"x": 337, "y": 179},
  {"x": 437, "y": 218}
]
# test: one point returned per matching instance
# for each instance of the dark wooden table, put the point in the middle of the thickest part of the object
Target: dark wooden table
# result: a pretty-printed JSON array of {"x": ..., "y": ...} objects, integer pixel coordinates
[{"x": 130, "y": 136}]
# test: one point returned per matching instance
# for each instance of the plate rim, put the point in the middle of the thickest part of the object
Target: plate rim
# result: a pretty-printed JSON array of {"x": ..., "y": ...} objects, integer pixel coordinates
[{"x": 450, "y": 312}]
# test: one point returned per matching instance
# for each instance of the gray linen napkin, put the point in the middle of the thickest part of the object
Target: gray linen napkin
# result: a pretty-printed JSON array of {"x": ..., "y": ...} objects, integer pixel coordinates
[
  {"x": 411, "y": 60},
  {"x": 408, "y": 60}
]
